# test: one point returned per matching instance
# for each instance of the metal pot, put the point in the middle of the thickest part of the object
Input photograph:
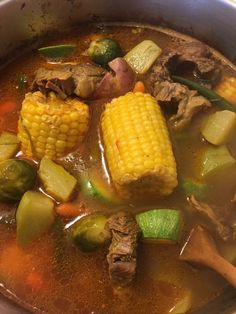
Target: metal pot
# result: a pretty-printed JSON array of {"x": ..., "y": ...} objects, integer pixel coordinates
[{"x": 212, "y": 21}]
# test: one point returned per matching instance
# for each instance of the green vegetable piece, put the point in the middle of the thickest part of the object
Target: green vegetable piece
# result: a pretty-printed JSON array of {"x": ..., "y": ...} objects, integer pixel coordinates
[
  {"x": 104, "y": 50},
  {"x": 163, "y": 224},
  {"x": 34, "y": 216},
  {"x": 58, "y": 51},
  {"x": 16, "y": 177},
  {"x": 142, "y": 56},
  {"x": 190, "y": 187},
  {"x": 93, "y": 187},
  {"x": 89, "y": 233},
  {"x": 215, "y": 159},
  {"x": 9, "y": 145},
  {"x": 219, "y": 126},
  {"x": 57, "y": 182},
  {"x": 208, "y": 93}
]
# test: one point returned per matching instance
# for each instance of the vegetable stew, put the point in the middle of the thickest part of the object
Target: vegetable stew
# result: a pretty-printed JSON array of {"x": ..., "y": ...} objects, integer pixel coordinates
[{"x": 116, "y": 142}]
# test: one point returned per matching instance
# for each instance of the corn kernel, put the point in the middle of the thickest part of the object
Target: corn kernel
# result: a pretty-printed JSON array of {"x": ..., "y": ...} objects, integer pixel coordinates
[
  {"x": 49, "y": 126},
  {"x": 137, "y": 147}
]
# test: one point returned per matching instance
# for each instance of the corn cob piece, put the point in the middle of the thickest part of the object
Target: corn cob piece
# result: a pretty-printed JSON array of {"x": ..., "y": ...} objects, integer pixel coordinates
[
  {"x": 227, "y": 89},
  {"x": 137, "y": 147},
  {"x": 49, "y": 126}
]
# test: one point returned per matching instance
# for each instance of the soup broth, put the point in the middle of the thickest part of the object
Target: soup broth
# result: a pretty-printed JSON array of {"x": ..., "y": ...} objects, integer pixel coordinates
[{"x": 51, "y": 274}]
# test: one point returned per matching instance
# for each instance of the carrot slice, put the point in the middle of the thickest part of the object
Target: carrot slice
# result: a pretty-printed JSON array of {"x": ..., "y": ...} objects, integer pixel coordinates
[
  {"x": 68, "y": 210},
  {"x": 7, "y": 106},
  {"x": 139, "y": 87}
]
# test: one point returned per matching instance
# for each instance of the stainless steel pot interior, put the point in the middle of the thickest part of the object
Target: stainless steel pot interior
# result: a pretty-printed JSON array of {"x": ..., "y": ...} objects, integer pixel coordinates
[{"x": 212, "y": 21}]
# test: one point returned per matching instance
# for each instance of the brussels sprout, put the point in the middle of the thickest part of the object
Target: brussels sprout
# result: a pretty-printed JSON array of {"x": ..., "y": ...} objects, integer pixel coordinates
[
  {"x": 89, "y": 232},
  {"x": 104, "y": 50},
  {"x": 16, "y": 177}
]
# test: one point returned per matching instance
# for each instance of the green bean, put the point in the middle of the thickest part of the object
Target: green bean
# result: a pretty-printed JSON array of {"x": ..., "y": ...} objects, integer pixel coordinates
[{"x": 206, "y": 92}]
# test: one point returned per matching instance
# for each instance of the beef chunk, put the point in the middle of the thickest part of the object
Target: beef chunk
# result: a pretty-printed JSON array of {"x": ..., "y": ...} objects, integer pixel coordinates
[
  {"x": 191, "y": 104},
  {"x": 58, "y": 80},
  {"x": 165, "y": 90},
  {"x": 223, "y": 231},
  {"x": 122, "y": 251},
  {"x": 194, "y": 53},
  {"x": 65, "y": 80}
]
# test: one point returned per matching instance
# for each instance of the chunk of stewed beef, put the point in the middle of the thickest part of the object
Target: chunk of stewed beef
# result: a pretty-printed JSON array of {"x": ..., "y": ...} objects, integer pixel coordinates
[
  {"x": 86, "y": 80},
  {"x": 122, "y": 257},
  {"x": 65, "y": 80},
  {"x": 203, "y": 65}
]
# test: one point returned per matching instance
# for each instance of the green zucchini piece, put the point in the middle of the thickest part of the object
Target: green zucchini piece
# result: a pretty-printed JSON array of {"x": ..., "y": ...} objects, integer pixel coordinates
[
  {"x": 93, "y": 187},
  {"x": 9, "y": 145},
  {"x": 206, "y": 92},
  {"x": 89, "y": 232},
  {"x": 104, "y": 50},
  {"x": 191, "y": 187},
  {"x": 142, "y": 56},
  {"x": 58, "y": 51},
  {"x": 219, "y": 126},
  {"x": 34, "y": 216},
  {"x": 215, "y": 159},
  {"x": 57, "y": 182},
  {"x": 161, "y": 224}
]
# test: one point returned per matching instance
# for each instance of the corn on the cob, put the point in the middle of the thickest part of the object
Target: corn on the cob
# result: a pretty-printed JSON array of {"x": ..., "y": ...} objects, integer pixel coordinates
[
  {"x": 50, "y": 127},
  {"x": 137, "y": 147},
  {"x": 227, "y": 89}
]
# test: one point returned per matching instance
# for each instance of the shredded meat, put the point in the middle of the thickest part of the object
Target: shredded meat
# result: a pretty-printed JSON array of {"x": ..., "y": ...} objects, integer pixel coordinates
[
  {"x": 65, "y": 80},
  {"x": 165, "y": 90},
  {"x": 122, "y": 251},
  {"x": 210, "y": 216}
]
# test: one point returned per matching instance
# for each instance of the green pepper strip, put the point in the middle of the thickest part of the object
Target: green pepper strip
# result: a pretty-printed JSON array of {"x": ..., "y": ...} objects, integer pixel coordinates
[{"x": 209, "y": 94}]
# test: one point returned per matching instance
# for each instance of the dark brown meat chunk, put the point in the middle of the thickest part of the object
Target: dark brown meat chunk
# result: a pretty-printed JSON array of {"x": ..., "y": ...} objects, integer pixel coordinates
[
  {"x": 190, "y": 105},
  {"x": 166, "y": 91},
  {"x": 65, "y": 80},
  {"x": 189, "y": 102},
  {"x": 122, "y": 251},
  {"x": 211, "y": 218},
  {"x": 194, "y": 53}
]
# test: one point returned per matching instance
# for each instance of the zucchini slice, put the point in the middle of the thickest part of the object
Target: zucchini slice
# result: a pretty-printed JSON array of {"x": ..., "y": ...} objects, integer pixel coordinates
[{"x": 161, "y": 224}]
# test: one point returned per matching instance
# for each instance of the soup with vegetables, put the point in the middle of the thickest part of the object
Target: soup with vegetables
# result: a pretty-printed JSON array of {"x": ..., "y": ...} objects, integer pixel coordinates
[{"x": 117, "y": 173}]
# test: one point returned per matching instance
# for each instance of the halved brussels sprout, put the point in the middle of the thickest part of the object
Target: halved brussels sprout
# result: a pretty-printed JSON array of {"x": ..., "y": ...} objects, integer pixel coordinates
[{"x": 16, "y": 177}]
